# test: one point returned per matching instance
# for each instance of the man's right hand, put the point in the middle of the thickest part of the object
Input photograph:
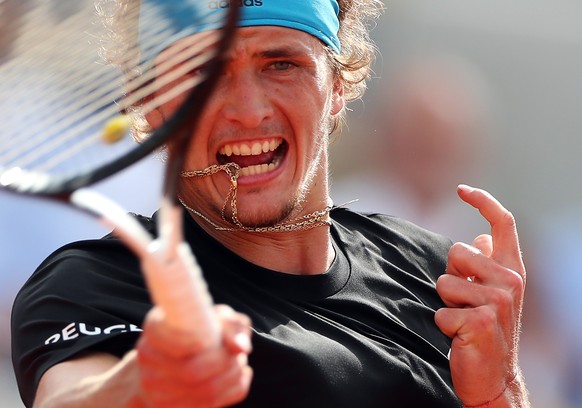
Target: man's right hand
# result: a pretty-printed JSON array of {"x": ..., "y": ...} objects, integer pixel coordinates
[
  {"x": 166, "y": 369},
  {"x": 175, "y": 372}
]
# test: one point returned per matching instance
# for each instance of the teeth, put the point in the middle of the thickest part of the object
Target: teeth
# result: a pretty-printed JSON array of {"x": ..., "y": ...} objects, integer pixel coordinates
[
  {"x": 245, "y": 150},
  {"x": 256, "y": 149},
  {"x": 258, "y": 169},
  {"x": 250, "y": 148}
]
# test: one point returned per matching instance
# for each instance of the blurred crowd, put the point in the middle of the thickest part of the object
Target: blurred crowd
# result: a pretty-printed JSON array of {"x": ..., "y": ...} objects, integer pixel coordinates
[
  {"x": 452, "y": 102},
  {"x": 432, "y": 124}
]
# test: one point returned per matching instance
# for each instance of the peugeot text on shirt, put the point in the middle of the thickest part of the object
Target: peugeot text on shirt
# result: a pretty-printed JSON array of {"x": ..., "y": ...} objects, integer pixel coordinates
[{"x": 74, "y": 330}]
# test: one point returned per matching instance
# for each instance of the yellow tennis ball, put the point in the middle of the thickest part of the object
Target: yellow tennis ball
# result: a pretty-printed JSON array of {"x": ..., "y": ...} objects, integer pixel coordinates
[{"x": 116, "y": 129}]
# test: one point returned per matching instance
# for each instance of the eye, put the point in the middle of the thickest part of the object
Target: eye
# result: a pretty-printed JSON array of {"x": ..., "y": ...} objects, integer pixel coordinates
[
  {"x": 198, "y": 70},
  {"x": 282, "y": 65}
]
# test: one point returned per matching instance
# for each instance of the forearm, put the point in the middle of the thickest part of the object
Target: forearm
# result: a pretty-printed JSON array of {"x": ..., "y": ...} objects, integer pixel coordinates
[{"x": 94, "y": 382}]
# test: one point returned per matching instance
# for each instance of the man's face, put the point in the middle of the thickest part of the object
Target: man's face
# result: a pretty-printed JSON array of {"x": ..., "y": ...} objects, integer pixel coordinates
[{"x": 270, "y": 115}]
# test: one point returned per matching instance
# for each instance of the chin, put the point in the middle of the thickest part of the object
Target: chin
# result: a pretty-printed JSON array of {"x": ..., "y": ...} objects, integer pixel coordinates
[{"x": 262, "y": 217}]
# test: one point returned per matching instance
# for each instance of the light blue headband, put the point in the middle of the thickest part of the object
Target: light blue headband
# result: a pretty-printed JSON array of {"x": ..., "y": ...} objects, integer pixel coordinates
[{"x": 175, "y": 19}]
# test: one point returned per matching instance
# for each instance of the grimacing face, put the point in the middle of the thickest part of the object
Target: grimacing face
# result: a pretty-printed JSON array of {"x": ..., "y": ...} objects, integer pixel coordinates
[{"x": 271, "y": 114}]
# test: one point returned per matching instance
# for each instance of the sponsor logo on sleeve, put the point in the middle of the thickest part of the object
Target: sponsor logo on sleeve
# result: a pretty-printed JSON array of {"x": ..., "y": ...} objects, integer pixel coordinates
[{"x": 75, "y": 330}]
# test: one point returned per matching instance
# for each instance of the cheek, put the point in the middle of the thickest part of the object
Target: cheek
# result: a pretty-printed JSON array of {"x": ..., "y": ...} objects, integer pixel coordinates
[{"x": 309, "y": 104}]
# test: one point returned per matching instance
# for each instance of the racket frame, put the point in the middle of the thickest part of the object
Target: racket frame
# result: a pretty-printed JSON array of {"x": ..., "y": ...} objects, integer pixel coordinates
[{"x": 173, "y": 277}]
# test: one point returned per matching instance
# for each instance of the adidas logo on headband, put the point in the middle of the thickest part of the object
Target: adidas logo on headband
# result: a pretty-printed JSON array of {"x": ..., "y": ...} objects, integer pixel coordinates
[
  {"x": 316, "y": 17},
  {"x": 216, "y": 4}
]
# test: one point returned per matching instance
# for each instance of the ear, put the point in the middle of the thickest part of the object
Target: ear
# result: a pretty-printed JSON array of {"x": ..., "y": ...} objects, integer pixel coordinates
[
  {"x": 338, "y": 101},
  {"x": 155, "y": 118}
]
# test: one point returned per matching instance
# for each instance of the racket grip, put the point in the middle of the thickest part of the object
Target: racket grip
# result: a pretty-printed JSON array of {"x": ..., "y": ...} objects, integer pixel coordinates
[{"x": 177, "y": 286}]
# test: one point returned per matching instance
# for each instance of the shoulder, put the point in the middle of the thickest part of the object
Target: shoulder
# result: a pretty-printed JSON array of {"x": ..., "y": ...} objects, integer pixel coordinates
[
  {"x": 375, "y": 226},
  {"x": 104, "y": 250},
  {"x": 71, "y": 270},
  {"x": 86, "y": 296},
  {"x": 391, "y": 238}
]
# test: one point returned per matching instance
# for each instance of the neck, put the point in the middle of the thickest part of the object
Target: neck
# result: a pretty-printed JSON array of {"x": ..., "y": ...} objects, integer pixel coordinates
[
  {"x": 300, "y": 252},
  {"x": 300, "y": 244}
]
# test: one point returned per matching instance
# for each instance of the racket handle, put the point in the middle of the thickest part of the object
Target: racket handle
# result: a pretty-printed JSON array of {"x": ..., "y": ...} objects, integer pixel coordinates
[{"x": 177, "y": 286}]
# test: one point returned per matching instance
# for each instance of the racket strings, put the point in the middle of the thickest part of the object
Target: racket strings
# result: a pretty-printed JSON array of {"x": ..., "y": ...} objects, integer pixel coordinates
[
  {"x": 71, "y": 121},
  {"x": 75, "y": 101}
]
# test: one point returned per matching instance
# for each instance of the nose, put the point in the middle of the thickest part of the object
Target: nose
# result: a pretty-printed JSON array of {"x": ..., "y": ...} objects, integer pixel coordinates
[{"x": 246, "y": 99}]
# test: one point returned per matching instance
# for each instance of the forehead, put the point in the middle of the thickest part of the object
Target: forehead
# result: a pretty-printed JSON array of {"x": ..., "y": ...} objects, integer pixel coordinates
[
  {"x": 277, "y": 35},
  {"x": 261, "y": 41},
  {"x": 252, "y": 40}
]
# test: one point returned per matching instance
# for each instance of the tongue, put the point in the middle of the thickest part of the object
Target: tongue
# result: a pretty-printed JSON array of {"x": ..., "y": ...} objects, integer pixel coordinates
[{"x": 246, "y": 161}]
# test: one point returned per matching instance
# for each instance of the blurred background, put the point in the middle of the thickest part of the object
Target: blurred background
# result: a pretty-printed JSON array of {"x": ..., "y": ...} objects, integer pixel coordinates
[{"x": 486, "y": 93}]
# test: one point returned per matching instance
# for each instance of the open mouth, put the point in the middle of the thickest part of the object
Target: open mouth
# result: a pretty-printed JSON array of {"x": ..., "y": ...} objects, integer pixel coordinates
[{"x": 254, "y": 157}]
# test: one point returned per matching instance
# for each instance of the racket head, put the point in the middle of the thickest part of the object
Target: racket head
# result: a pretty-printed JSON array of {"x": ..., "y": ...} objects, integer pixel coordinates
[{"x": 80, "y": 81}]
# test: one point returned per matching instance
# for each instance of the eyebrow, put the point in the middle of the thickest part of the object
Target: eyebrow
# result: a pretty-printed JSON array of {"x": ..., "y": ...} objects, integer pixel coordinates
[{"x": 280, "y": 52}]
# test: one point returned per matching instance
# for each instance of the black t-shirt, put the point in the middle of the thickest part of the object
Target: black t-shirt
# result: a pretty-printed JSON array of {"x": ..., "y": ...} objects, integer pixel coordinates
[{"x": 362, "y": 334}]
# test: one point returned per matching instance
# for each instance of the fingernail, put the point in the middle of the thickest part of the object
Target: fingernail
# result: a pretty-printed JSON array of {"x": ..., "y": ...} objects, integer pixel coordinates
[{"x": 465, "y": 188}]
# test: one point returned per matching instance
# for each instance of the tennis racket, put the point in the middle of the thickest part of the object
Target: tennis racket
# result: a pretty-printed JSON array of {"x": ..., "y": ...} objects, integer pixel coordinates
[{"x": 77, "y": 78}]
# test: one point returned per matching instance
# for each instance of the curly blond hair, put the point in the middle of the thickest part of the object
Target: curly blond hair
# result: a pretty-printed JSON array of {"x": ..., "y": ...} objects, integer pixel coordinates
[{"x": 352, "y": 64}]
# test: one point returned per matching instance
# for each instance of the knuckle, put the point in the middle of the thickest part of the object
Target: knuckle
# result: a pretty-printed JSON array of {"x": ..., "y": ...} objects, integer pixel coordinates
[
  {"x": 484, "y": 238},
  {"x": 457, "y": 250},
  {"x": 486, "y": 318},
  {"x": 502, "y": 299},
  {"x": 516, "y": 281},
  {"x": 508, "y": 218}
]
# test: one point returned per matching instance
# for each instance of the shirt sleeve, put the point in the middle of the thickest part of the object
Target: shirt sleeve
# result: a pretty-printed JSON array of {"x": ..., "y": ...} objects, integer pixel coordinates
[{"x": 87, "y": 296}]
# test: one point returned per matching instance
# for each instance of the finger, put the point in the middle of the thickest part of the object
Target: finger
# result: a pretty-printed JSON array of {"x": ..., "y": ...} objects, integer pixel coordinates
[
  {"x": 211, "y": 365},
  {"x": 236, "y": 387},
  {"x": 228, "y": 387},
  {"x": 223, "y": 389},
  {"x": 467, "y": 324},
  {"x": 503, "y": 228},
  {"x": 458, "y": 292},
  {"x": 484, "y": 243},
  {"x": 174, "y": 343},
  {"x": 186, "y": 370},
  {"x": 240, "y": 390},
  {"x": 236, "y": 329},
  {"x": 467, "y": 262}
]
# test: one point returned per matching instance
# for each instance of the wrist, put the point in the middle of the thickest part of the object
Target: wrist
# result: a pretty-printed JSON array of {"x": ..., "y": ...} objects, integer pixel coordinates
[{"x": 511, "y": 395}]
